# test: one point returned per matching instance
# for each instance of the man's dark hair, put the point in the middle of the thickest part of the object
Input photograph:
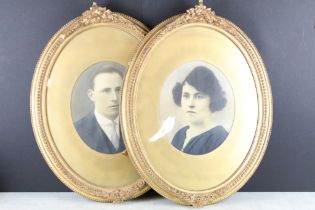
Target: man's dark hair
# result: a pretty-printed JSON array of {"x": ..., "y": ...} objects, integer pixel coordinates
[
  {"x": 203, "y": 80},
  {"x": 104, "y": 69}
]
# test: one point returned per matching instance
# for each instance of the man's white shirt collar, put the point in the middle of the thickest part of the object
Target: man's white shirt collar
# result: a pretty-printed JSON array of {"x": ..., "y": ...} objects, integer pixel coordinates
[{"x": 107, "y": 127}]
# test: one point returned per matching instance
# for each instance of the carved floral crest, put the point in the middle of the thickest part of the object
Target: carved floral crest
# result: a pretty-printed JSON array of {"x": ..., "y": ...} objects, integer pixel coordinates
[
  {"x": 97, "y": 14},
  {"x": 200, "y": 13}
]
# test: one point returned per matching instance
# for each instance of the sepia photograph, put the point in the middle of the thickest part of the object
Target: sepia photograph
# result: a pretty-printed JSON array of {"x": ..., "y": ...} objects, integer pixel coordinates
[
  {"x": 203, "y": 103},
  {"x": 95, "y": 107}
]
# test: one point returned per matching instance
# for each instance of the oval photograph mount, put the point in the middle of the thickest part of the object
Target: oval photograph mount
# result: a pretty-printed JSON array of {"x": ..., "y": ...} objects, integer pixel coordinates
[
  {"x": 196, "y": 108},
  {"x": 75, "y": 100}
]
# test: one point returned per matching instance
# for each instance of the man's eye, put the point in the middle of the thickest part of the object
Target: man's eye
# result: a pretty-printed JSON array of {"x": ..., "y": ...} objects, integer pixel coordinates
[
  {"x": 118, "y": 89},
  {"x": 107, "y": 90}
]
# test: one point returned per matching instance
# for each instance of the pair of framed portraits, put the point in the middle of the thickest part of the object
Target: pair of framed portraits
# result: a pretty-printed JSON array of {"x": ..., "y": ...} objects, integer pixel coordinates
[{"x": 190, "y": 102}]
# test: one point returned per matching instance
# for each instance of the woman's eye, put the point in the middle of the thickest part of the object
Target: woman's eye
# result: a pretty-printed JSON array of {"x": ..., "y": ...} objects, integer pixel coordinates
[
  {"x": 185, "y": 96},
  {"x": 199, "y": 96}
]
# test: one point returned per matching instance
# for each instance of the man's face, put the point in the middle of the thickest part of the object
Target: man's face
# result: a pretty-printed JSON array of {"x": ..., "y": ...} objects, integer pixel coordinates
[{"x": 106, "y": 94}]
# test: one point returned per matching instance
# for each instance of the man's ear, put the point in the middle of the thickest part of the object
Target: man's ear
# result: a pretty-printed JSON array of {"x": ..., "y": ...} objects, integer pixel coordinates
[{"x": 90, "y": 94}]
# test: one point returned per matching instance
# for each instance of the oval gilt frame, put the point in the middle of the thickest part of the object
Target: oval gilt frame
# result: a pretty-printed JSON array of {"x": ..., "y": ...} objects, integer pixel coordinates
[
  {"x": 42, "y": 104},
  {"x": 140, "y": 120}
]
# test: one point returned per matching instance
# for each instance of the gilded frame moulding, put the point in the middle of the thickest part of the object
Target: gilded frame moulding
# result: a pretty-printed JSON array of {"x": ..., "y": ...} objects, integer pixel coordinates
[
  {"x": 136, "y": 81},
  {"x": 91, "y": 19}
]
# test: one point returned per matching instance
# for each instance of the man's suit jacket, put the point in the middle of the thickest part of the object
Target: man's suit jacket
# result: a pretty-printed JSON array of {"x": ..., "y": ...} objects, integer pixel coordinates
[{"x": 93, "y": 135}]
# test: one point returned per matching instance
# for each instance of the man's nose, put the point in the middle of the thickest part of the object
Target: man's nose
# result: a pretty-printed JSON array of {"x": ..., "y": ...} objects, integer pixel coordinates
[{"x": 114, "y": 96}]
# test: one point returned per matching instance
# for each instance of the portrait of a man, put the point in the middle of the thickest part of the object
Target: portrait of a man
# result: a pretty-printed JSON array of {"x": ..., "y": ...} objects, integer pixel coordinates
[{"x": 99, "y": 128}]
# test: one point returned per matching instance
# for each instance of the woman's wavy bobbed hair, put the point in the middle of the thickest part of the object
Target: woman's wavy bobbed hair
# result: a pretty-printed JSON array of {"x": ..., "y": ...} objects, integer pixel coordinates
[{"x": 203, "y": 80}]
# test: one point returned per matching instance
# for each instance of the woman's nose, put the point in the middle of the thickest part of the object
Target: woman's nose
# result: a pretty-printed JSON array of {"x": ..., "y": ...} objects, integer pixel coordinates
[{"x": 191, "y": 102}]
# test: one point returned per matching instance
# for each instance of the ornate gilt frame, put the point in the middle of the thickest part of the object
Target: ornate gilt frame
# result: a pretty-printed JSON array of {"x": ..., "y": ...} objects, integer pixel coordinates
[
  {"x": 201, "y": 16},
  {"x": 96, "y": 16}
]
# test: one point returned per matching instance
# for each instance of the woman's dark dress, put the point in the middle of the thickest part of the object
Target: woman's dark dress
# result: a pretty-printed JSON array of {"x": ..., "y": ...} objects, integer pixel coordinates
[{"x": 201, "y": 144}]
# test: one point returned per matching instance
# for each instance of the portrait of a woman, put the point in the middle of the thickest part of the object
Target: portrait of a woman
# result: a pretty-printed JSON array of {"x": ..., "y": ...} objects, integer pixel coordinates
[{"x": 198, "y": 97}]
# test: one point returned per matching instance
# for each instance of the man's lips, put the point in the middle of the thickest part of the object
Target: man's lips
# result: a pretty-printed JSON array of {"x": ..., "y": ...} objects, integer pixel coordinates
[
  {"x": 113, "y": 106},
  {"x": 191, "y": 112}
]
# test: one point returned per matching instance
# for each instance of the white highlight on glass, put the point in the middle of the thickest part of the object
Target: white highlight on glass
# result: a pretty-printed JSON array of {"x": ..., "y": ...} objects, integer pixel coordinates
[{"x": 167, "y": 126}]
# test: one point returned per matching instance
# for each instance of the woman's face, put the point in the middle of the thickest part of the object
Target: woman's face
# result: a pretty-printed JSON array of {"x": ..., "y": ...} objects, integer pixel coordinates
[{"x": 195, "y": 105}]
